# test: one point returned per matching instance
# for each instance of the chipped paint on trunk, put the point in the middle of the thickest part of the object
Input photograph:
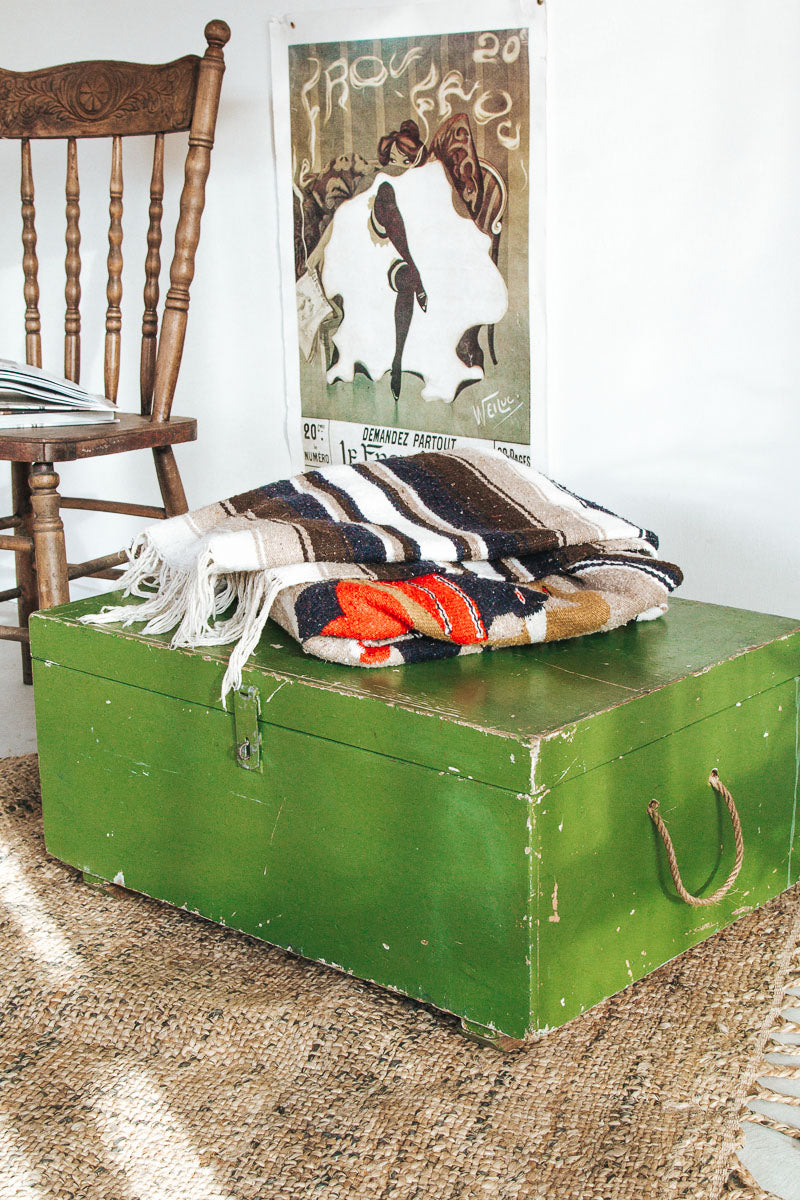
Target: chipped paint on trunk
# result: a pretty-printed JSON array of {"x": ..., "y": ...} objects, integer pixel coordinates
[{"x": 554, "y": 918}]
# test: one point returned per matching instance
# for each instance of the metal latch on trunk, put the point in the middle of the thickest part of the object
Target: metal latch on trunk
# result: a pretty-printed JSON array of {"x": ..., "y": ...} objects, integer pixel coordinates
[{"x": 246, "y": 711}]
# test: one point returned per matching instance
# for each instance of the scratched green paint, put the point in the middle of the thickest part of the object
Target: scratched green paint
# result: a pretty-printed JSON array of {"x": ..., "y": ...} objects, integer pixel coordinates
[
  {"x": 494, "y": 704},
  {"x": 411, "y": 825},
  {"x": 605, "y": 898},
  {"x": 394, "y": 872},
  {"x": 586, "y": 744}
]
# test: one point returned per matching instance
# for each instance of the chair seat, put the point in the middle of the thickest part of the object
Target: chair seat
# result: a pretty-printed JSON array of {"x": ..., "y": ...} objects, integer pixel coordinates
[{"x": 65, "y": 443}]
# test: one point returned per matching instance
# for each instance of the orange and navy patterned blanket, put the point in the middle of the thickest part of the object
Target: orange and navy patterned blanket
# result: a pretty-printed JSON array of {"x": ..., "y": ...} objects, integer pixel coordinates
[{"x": 408, "y": 559}]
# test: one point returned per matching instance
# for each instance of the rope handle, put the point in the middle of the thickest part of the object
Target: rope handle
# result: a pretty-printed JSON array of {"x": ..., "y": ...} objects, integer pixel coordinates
[{"x": 716, "y": 783}]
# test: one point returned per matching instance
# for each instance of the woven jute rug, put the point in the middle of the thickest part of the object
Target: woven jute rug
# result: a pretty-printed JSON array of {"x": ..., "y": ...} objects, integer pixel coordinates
[{"x": 146, "y": 1054}]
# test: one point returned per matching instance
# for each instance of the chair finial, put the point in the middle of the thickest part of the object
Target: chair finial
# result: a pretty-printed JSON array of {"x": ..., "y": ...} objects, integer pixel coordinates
[{"x": 217, "y": 33}]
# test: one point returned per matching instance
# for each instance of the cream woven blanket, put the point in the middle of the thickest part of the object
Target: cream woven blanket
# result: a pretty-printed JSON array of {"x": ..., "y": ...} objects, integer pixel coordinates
[{"x": 408, "y": 559}]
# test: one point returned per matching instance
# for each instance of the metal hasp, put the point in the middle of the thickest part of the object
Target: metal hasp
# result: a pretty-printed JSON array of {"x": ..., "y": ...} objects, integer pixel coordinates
[{"x": 246, "y": 711}]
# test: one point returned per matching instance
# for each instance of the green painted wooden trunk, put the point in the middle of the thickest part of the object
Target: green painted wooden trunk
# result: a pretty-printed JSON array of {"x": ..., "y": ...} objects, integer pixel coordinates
[{"x": 472, "y": 833}]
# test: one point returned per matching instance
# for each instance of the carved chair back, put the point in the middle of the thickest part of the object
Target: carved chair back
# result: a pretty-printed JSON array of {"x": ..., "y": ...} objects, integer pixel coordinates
[{"x": 117, "y": 100}]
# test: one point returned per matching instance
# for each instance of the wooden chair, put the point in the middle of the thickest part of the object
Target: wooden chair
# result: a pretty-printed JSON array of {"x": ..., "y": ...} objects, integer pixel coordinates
[{"x": 113, "y": 100}]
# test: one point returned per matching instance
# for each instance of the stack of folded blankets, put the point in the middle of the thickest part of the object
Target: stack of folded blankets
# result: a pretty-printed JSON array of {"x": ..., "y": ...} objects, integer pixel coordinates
[{"x": 398, "y": 561}]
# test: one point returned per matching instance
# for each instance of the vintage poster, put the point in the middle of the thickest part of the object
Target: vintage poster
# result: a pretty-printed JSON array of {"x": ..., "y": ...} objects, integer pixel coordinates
[{"x": 411, "y": 190}]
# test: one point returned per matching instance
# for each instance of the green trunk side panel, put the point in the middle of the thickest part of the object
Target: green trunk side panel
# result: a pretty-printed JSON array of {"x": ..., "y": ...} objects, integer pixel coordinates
[
  {"x": 604, "y": 899},
  {"x": 410, "y": 877}
]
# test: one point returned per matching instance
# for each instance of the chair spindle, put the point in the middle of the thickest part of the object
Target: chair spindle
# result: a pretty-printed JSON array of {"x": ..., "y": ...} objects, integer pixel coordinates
[
  {"x": 30, "y": 263},
  {"x": 187, "y": 233},
  {"x": 152, "y": 271},
  {"x": 114, "y": 287},
  {"x": 72, "y": 291}
]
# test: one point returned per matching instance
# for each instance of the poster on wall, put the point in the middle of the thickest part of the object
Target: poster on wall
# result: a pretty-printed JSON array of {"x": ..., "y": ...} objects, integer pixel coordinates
[{"x": 408, "y": 159}]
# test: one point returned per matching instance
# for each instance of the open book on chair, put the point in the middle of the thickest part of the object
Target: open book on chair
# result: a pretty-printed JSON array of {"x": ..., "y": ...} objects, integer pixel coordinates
[{"x": 30, "y": 397}]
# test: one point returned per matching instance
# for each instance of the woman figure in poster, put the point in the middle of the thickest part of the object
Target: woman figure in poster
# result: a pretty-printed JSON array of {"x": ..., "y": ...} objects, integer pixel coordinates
[{"x": 416, "y": 277}]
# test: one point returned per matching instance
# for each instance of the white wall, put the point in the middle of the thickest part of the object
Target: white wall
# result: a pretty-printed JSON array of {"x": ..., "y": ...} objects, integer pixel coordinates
[
  {"x": 673, "y": 272},
  {"x": 674, "y": 280}
]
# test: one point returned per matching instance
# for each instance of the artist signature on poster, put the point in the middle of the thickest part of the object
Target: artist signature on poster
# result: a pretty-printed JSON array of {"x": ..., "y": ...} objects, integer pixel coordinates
[{"x": 493, "y": 410}]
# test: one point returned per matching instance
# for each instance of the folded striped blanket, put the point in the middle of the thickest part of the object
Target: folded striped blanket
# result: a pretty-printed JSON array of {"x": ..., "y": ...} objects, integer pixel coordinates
[{"x": 399, "y": 561}]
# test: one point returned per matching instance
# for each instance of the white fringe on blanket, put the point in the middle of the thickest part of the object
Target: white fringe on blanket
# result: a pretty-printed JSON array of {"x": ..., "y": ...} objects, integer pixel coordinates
[{"x": 191, "y": 597}]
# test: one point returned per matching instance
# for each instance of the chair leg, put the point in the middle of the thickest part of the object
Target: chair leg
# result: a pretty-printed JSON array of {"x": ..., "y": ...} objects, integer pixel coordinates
[
  {"x": 26, "y": 576},
  {"x": 50, "y": 552},
  {"x": 169, "y": 480}
]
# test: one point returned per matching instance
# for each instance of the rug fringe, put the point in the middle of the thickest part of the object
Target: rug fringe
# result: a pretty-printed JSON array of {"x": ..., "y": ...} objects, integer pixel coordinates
[{"x": 738, "y": 1181}]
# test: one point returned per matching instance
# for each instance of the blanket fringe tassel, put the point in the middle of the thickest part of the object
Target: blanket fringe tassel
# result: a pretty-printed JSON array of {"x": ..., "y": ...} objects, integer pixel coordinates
[{"x": 192, "y": 599}]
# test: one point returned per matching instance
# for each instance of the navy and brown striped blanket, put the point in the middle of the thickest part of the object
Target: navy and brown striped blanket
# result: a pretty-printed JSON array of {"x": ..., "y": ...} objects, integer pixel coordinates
[{"x": 398, "y": 561}]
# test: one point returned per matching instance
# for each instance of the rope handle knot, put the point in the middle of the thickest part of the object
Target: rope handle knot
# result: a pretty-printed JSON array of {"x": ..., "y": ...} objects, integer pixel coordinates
[{"x": 716, "y": 783}]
